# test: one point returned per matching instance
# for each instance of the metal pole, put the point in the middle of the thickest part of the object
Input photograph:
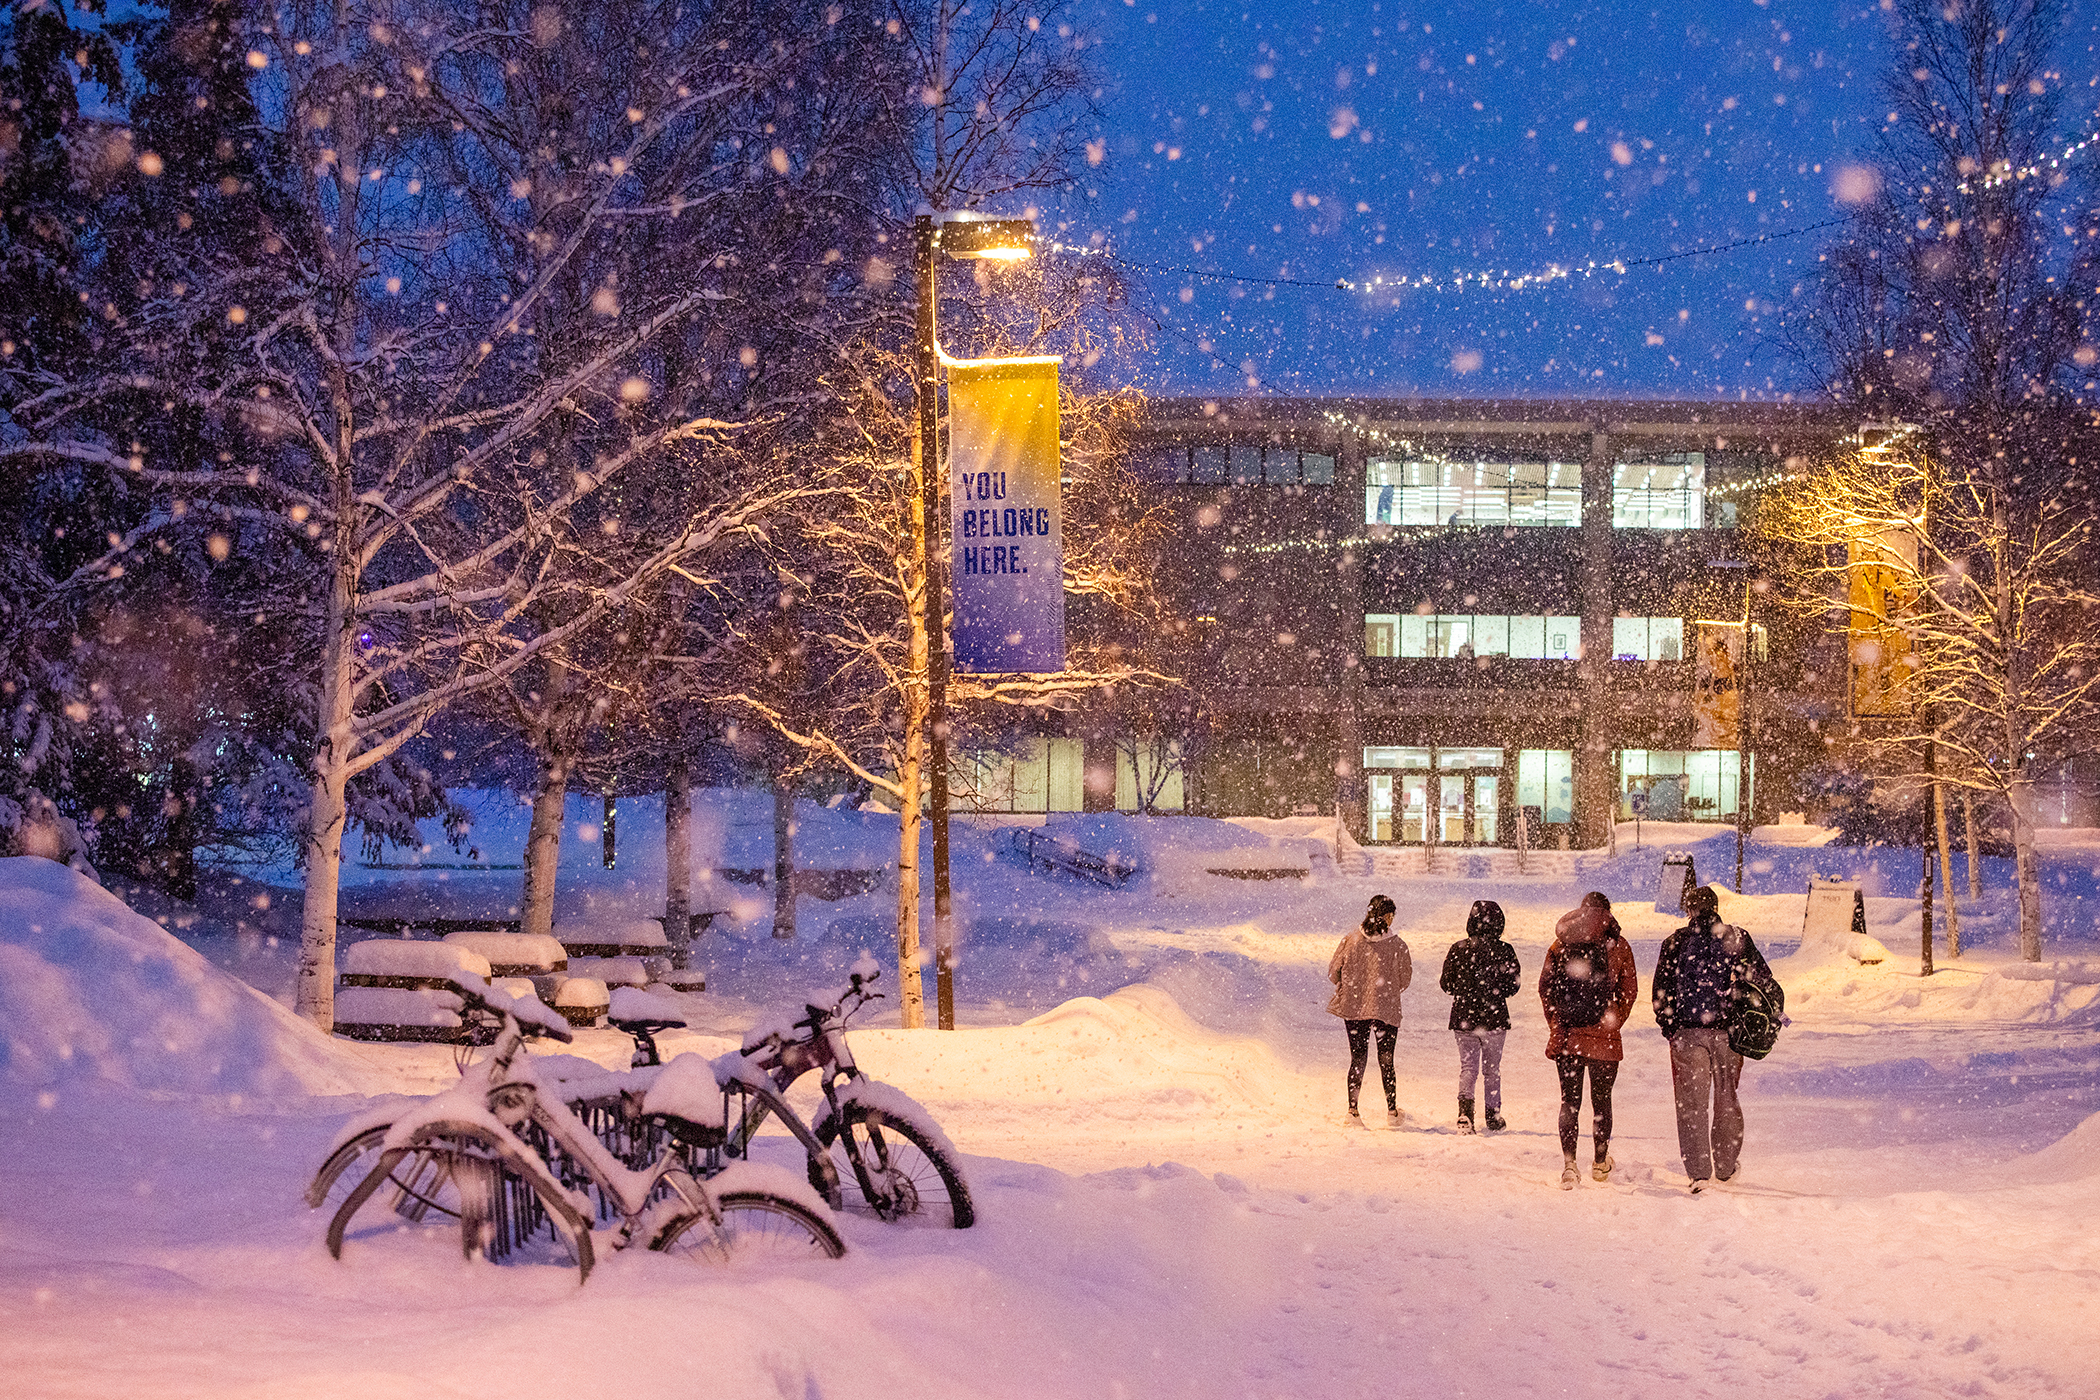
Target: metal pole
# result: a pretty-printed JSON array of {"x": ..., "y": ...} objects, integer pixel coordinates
[
  {"x": 1742, "y": 740},
  {"x": 936, "y": 624}
]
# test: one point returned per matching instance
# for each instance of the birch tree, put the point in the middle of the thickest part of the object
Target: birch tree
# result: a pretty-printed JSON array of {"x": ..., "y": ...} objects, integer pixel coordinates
[
  {"x": 431, "y": 313},
  {"x": 1993, "y": 611}
]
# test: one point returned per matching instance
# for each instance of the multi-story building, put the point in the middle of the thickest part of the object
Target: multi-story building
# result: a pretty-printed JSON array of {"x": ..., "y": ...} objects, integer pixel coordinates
[{"x": 1436, "y": 614}]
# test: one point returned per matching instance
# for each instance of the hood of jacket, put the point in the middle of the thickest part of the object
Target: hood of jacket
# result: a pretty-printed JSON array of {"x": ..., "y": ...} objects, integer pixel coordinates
[{"x": 1587, "y": 923}]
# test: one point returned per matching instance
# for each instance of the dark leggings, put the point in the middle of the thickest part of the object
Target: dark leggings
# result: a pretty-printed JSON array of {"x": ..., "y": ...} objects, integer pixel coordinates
[
  {"x": 1360, "y": 1049},
  {"x": 1602, "y": 1073}
]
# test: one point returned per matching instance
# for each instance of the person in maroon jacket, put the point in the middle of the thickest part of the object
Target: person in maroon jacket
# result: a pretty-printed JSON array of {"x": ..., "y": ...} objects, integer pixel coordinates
[{"x": 1588, "y": 987}]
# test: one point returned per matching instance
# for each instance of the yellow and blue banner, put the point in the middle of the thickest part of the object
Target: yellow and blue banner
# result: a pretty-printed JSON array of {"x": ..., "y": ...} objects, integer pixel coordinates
[{"x": 1006, "y": 538}]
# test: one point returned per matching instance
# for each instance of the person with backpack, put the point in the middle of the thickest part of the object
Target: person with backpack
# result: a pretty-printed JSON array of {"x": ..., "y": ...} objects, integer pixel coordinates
[
  {"x": 1481, "y": 973},
  {"x": 1700, "y": 975},
  {"x": 1588, "y": 987},
  {"x": 1370, "y": 970}
]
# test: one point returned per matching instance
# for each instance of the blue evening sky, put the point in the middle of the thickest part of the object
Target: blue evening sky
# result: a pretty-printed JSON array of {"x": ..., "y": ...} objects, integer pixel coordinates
[{"x": 1359, "y": 138}]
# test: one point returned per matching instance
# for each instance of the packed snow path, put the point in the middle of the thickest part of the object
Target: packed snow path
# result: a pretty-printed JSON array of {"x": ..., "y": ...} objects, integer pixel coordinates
[{"x": 1170, "y": 1204}]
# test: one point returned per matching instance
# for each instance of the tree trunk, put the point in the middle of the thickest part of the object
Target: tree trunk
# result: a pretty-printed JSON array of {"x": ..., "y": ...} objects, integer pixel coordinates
[
  {"x": 1968, "y": 820},
  {"x": 911, "y": 994},
  {"x": 610, "y": 825},
  {"x": 1939, "y": 823},
  {"x": 543, "y": 846},
  {"x": 678, "y": 859},
  {"x": 783, "y": 857},
  {"x": 2029, "y": 872},
  {"x": 328, "y": 812},
  {"x": 314, "y": 994},
  {"x": 1925, "y": 916}
]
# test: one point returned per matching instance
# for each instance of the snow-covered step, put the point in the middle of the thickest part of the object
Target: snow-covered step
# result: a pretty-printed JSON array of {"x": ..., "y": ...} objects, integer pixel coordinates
[{"x": 1473, "y": 863}]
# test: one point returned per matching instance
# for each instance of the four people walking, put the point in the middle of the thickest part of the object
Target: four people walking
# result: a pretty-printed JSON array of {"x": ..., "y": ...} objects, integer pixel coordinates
[{"x": 1587, "y": 987}]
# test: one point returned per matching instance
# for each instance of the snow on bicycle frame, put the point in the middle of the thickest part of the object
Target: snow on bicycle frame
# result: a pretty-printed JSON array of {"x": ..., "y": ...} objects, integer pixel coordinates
[
  {"x": 658, "y": 1204},
  {"x": 862, "y": 1114}
]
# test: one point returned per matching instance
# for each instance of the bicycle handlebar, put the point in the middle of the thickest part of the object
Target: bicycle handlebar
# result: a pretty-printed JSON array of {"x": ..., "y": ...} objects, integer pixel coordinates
[{"x": 531, "y": 1015}]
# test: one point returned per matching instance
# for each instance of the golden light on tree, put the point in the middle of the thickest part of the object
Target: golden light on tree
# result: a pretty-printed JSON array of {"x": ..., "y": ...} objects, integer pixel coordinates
[{"x": 1968, "y": 608}]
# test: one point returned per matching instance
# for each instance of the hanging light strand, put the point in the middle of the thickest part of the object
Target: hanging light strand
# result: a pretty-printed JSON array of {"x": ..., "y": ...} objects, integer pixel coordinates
[
  {"x": 1484, "y": 279},
  {"x": 2047, "y": 165}
]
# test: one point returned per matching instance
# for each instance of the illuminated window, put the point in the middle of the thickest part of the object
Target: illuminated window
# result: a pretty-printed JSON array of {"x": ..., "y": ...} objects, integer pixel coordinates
[
  {"x": 1473, "y": 493},
  {"x": 1468, "y": 635},
  {"x": 1035, "y": 775},
  {"x": 1662, "y": 493},
  {"x": 1546, "y": 780},
  {"x": 1647, "y": 639},
  {"x": 1681, "y": 785}
]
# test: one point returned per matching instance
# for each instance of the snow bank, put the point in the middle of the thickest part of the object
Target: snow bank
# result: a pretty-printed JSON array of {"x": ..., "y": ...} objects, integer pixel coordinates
[
  {"x": 2073, "y": 1157},
  {"x": 89, "y": 988}
]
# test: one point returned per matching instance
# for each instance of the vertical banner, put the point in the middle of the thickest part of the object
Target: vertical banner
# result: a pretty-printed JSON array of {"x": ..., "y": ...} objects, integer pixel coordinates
[
  {"x": 1006, "y": 562},
  {"x": 1878, "y": 575},
  {"x": 1717, "y": 696}
]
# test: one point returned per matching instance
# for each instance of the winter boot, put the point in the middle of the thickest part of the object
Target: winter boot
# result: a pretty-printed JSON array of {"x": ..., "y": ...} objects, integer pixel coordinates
[
  {"x": 1392, "y": 1119},
  {"x": 1465, "y": 1115},
  {"x": 1602, "y": 1170},
  {"x": 1354, "y": 1120},
  {"x": 1569, "y": 1176},
  {"x": 1496, "y": 1122}
]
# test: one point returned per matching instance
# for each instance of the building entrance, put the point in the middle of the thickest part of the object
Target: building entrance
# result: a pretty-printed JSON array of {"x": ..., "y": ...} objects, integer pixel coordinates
[{"x": 1432, "y": 796}]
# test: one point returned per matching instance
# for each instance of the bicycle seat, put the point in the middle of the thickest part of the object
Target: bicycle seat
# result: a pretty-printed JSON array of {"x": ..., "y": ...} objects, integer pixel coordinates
[
  {"x": 636, "y": 1010},
  {"x": 688, "y": 1098}
]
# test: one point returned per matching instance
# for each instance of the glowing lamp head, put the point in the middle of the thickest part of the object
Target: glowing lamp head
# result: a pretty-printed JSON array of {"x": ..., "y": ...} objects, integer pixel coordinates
[{"x": 1000, "y": 240}]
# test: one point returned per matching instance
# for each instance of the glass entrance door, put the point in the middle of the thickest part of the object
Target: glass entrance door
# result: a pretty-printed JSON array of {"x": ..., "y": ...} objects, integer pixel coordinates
[
  {"x": 1381, "y": 806},
  {"x": 1466, "y": 808},
  {"x": 1485, "y": 795},
  {"x": 1452, "y": 791},
  {"x": 1444, "y": 796},
  {"x": 1414, "y": 806}
]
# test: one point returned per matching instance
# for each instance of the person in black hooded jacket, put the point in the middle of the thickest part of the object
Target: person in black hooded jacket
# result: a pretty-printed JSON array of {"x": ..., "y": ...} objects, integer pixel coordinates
[{"x": 1481, "y": 974}]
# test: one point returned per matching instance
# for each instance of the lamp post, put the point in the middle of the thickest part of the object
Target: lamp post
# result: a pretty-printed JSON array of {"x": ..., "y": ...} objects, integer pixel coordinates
[
  {"x": 1004, "y": 240},
  {"x": 1742, "y": 720}
]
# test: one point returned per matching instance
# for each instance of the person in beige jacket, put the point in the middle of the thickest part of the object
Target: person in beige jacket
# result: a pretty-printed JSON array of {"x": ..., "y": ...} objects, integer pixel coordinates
[{"x": 1370, "y": 970}]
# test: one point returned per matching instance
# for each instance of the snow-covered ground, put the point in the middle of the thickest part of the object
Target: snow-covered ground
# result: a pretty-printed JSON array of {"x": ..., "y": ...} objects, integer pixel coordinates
[{"x": 1149, "y": 1096}]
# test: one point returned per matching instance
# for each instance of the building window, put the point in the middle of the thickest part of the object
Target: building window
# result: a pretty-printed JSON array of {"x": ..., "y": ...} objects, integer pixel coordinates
[
  {"x": 1473, "y": 493},
  {"x": 1647, "y": 639},
  {"x": 1662, "y": 493},
  {"x": 1546, "y": 780},
  {"x": 1697, "y": 785},
  {"x": 1036, "y": 775},
  {"x": 1150, "y": 775},
  {"x": 1235, "y": 464},
  {"x": 1467, "y": 635}
]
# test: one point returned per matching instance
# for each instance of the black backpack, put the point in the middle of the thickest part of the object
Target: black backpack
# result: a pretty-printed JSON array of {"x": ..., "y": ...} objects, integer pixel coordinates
[
  {"x": 1579, "y": 984},
  {"x": 1757, "y": 1011}
]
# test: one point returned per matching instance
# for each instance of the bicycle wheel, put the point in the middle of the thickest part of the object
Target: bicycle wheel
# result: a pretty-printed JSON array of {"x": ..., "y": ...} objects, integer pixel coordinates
[
  {"x": 756, "y": 1228},
  {"x": 345, "y": 1168},
  {"x": 456, "y": 1178},
  {"x": 894, "y": 1172}
]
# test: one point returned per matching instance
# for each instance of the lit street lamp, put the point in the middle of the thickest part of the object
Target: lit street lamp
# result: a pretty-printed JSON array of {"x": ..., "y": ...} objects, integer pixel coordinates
[{"x": 1004, "y": 240}]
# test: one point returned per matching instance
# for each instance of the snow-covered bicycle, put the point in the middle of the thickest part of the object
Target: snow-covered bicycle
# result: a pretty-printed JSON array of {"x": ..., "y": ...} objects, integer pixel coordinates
[
  {"x": 900, "y": 1166},
  {"x": 504, "y": 1156}
]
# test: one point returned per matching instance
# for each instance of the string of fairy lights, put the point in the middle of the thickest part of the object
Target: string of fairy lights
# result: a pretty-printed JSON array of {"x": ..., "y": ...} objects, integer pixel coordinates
[
  {"x": 1461, "y": 280},
  {"x": 2047, "y": 165},
  {"x": 1458, "y": 280}
]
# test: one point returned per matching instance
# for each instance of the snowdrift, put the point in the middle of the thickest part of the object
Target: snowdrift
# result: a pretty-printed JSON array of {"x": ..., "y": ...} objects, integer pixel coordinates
[{"x": 89, "y": 988}]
